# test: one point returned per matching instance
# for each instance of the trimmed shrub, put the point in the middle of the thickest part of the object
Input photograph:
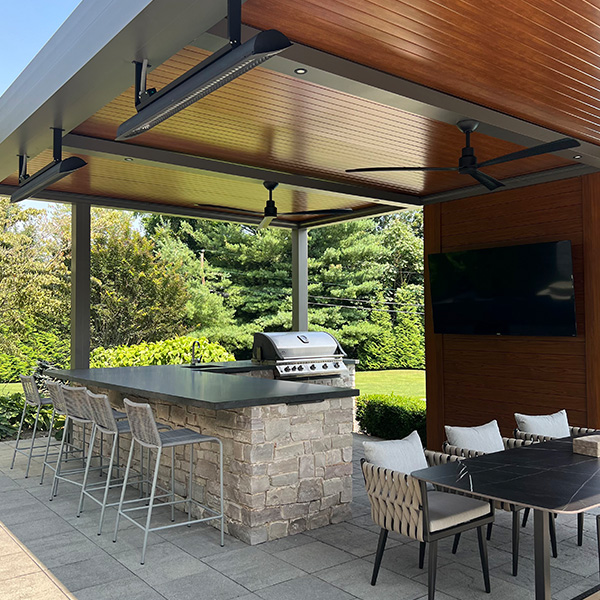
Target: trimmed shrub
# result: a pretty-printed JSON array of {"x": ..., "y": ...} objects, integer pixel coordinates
[
  {"x": 175, "y": 351},
  {"x": 11, "y": 409},
  {"x": 391, "y": 417}
]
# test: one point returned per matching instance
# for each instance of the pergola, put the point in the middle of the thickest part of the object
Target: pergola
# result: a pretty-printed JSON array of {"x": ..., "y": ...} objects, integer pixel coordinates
[{"x": 381, "y": 83}]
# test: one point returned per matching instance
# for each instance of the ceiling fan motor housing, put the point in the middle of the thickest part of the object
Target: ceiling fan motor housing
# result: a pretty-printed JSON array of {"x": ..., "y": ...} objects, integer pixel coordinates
[
  {"x": 467, "y": 160},
  {"x": 271, "y": 209}
]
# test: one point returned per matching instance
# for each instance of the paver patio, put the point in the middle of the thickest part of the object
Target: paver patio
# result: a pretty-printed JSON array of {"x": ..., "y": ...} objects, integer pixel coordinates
[{"x": 48, "y": 553}]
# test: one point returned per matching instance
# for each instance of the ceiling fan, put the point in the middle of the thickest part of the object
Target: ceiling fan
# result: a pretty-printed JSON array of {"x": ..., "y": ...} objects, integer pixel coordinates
[
  {"x": 271, "y": 213},
  {"x": 467, "y": 163}
]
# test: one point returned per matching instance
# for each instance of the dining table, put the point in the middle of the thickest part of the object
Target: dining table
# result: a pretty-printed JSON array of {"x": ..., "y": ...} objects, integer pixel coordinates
[{"x": 547, "y": 477}]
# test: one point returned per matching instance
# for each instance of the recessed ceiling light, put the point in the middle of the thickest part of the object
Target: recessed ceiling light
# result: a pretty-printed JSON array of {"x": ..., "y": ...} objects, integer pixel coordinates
[
  {"x": 577, "y": 156},
  {"x": 128, "y": 159},
  {"x": 300, "y": 71}
]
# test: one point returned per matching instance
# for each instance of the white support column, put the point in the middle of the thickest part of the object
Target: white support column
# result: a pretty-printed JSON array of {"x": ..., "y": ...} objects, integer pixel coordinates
[
  {"x": 299, "y": 279},
  {"x": 80, "y": 286}
]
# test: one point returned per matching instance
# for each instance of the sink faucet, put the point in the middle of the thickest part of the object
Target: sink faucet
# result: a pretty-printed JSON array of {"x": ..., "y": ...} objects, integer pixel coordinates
[{"x": 194, "y": 351}]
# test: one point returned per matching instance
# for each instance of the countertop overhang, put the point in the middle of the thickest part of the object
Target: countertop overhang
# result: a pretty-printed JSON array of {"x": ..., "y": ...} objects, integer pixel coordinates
[{"x": 201, "y": 387}]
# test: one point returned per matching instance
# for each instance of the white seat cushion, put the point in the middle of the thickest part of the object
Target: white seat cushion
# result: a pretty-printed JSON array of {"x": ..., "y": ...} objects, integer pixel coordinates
[
  {"x": 447, "y": 510},
  {"x": 405, "y": 455},
  {"x": 555, "y": 425},
  {"x": 485, "y": 438}
]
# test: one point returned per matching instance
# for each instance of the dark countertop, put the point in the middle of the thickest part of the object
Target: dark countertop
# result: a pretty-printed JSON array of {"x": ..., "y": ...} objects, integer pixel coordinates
[
  {"x": 546, "y": 476},
  {"x": 202, "y": 387}
]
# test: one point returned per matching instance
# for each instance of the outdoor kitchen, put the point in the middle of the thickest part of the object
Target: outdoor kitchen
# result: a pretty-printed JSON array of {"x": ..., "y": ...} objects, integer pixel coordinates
[{"x": 285, "y": 419}]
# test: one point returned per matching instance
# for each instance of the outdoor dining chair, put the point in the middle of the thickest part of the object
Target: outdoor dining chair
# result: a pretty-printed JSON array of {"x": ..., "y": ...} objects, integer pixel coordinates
[
  {"x": 404, "y": 505},
  {"x": 469, "y": 442}
]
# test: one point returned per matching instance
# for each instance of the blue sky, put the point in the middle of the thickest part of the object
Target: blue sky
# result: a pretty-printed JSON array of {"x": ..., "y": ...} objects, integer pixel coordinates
[{"x": 28, "y": 25}]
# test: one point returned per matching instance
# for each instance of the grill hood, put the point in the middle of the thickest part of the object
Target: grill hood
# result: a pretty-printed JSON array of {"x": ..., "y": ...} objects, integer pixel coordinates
[{"x": 295, "y": 345}]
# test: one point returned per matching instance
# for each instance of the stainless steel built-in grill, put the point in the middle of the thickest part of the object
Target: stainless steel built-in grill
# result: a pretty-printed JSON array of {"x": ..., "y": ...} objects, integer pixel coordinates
[{"x": 299, "y": 354}]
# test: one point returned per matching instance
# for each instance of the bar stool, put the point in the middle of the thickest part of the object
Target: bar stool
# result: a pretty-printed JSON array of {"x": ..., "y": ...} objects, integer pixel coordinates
[
  {"x": 32, "y": 398},
  {"x": 145, "y": 433},
  {"x": 105, "y": 422}
]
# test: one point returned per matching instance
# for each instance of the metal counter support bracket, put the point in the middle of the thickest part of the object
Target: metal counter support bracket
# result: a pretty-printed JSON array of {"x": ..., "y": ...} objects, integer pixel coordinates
[{"x": 541, "y": 554}]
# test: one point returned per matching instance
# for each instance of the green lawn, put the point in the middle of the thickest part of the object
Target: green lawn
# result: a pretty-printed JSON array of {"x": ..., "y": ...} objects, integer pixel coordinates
[
  {"x": 10, "y": 388},
  {"x": 403, "y": 382}
]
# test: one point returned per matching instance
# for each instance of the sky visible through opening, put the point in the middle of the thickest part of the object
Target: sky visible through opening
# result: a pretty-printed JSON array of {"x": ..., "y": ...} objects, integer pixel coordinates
[{"x": 29, "y": 24}]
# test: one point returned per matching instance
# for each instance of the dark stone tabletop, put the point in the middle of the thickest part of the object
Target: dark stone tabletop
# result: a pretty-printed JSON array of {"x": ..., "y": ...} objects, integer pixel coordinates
[
  {"x": 547, "y": 476},
  {"x": 214, "y": 385}
]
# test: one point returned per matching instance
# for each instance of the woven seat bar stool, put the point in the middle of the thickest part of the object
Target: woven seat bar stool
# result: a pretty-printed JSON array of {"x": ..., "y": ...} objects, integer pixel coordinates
[
  {"x": 32, "y": 398},
  {"x": 145, "y": 432},
  {"x": 60, "y": 408},
  {"x": 78, "y": 411},
  {"x": 105, "y": 422}
]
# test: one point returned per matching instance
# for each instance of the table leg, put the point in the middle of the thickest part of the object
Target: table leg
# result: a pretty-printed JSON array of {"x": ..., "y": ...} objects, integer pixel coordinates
[{"x": 541, "y": 554}]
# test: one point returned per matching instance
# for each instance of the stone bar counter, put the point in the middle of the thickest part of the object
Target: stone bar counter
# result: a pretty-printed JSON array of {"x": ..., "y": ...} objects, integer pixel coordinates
[{"x": 287, "y": 444}]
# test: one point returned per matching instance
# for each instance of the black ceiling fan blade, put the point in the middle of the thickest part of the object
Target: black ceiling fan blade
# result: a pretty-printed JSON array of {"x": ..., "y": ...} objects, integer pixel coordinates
[
  {"x": 489, "y": 182},
  {"x": 229, "y": 208},
  {"x": 562, "y": 144},
  {"x": 383, "y": 169},
  {"x": 325, "y": 211}
]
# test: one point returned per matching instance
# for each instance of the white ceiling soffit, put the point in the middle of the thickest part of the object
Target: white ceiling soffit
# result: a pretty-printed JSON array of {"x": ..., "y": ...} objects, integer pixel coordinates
[{"x": 88, "y": 62}]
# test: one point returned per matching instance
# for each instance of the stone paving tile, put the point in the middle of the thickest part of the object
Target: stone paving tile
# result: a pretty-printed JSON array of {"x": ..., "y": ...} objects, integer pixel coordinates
[
  {"x": 127, "y": 589},
  {"x": 215, "y": 585},
  {"x": 354, "y": 577},
  {"x": 304, "y": 588},
  {"x": 350, "y": 538},
  {"x": 201, "y": 541},
  {"x": 253, "y": 568},
  {"x": 90, "y": 572},
  {"x": 292, "y": 541},
  {"x": 315, "y": 557},
  {"x": 32, "y": 587},
  {"x": 17, "y": 564},
  {"x": 467, "y": 584}
]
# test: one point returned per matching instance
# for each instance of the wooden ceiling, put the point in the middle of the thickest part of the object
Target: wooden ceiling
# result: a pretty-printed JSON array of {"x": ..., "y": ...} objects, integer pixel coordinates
[
  {"x": 534, "y": 59},
  {"x": 110, "y": 178}
]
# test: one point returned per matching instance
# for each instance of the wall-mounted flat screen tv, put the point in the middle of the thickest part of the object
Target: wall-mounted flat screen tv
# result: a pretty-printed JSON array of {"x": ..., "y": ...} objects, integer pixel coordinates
[{"x": 513, "y": 290}]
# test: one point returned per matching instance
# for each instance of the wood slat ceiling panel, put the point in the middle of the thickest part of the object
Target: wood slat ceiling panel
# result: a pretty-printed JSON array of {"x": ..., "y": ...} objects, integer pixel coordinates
[
  {"x": 143, "y": 183},
  {"x": 535, "y": 59},
  {"x": 276, "y": 121}
]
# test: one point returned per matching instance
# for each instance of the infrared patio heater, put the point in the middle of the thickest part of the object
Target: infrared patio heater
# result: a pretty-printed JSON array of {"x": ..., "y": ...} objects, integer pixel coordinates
[
  {"x": 220, "y": 68},
  {"x": 51, "y": 173}
]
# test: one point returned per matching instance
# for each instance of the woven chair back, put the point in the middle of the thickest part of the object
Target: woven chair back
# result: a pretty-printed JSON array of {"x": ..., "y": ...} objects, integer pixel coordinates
[
  {"x": 142, "y": 423},
  {"x": 76, "y": 402},
  {"x": 102, "y": 413},
  {"x": 55, "y": 392},
  {"x": 32, "y": 394}
]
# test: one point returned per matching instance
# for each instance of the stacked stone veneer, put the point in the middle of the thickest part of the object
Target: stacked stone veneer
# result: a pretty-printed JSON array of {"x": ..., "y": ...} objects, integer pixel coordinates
[{"x": 287, "y": 467}]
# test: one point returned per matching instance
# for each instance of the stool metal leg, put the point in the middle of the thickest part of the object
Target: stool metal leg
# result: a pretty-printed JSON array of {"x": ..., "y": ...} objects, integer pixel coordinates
[
  {"x": 88, "y": 462},
  {"x": 151, "y": 505},
  {"x": 115, "y": 446},
  {"x": 12, "y": 464},
  {"x": 189, "y": 494},
  {"x": 37, "y": 416},
  {"x": 172, "y": 483},
  {"x": 47, "y": 446},
  {"x": 221, "y": 492},
  {"x": 124, "y": 488},
  {"x": 59, "y": 459}
]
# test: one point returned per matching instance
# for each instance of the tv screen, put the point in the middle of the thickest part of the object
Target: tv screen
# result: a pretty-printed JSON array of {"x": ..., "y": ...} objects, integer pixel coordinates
[{"x": 513, "y": 290}]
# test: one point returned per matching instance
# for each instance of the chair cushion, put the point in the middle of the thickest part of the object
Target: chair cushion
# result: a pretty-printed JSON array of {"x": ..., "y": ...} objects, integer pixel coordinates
[
  {"x": 485, "y": 438},
  {"x": 555, "y": 425},
  {"x": 405, "y": 455},
  {"x": 447, "y": 510}
]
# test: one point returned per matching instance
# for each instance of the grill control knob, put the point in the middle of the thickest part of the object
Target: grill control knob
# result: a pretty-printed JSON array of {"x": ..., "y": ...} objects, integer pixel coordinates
[
  {"x": 313, "y": 367},
  {"x": 325, "y": 365},
  {"x": 293, "y": 368},
  {"x": 300, "y": 368},
  {"x": 336, "y": 365},
  {"x": 287, "y": 369}
]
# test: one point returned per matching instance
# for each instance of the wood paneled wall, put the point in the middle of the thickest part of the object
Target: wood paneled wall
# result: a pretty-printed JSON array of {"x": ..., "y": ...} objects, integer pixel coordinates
[{"x": 473, "y": 379}]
